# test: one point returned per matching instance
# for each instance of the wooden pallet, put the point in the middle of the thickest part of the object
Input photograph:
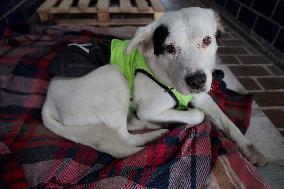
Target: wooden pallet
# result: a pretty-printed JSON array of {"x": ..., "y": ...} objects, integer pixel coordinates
[{"x": 101, "y": 12}]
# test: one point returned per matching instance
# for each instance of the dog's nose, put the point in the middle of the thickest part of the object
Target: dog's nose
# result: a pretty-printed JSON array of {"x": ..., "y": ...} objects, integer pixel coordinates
[{"x": 196, "y": 80}]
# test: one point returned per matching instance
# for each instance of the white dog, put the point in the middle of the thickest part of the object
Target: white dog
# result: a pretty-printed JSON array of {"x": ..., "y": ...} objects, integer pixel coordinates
[{"x": 180, "y": 51}]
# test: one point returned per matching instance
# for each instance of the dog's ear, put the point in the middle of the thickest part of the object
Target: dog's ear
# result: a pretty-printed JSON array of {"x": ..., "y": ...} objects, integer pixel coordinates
[
  {"x": 142, "y": 40},
  {"x": 220, "y": 27}
]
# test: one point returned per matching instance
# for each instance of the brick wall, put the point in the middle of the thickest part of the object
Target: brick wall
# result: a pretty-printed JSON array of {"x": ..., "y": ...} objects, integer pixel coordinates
[
  {"x": 13, "y": 12},
  {"x": 258, "y": 74},
  {"x": 261, "y": 18}
]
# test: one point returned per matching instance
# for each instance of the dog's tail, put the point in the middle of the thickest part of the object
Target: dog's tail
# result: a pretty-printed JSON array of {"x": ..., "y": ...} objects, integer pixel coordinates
[{"x": 102, "y": 138}]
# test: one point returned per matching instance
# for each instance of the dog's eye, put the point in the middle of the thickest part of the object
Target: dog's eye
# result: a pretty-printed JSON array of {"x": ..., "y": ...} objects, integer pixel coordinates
[
  {"x": 170, "y": 49},
  {"x": 206, "y": 40}
]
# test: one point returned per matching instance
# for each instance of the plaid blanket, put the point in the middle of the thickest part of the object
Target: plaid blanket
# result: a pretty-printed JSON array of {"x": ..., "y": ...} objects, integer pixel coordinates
[{"x": 32, "y": 156}]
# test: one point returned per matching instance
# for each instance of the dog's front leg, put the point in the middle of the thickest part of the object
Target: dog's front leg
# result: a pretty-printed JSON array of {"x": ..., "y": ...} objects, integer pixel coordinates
[
  {"x": 204, "y": 102},
  {"x": 154, "y": 104},
  {"x": 192, "y": 116}
]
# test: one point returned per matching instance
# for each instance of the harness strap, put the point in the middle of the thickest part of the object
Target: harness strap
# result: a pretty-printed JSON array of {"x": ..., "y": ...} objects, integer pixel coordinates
[{"x": 167, "y": 89}]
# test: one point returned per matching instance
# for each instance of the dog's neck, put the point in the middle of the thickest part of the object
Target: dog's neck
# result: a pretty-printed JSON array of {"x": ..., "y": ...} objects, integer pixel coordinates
[{"x": 160, "y": 75}]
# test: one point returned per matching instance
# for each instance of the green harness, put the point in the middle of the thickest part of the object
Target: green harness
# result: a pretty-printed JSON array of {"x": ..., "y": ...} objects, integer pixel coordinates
[{"x": 133, "y": 63}]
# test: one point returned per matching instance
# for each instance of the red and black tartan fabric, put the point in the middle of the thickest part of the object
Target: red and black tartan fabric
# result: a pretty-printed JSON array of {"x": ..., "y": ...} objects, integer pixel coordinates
[{"x": 32, "y": 156}]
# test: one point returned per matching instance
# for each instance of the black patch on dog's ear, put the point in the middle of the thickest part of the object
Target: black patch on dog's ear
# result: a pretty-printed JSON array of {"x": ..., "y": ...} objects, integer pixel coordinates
[{"x": 160, "y": 35}]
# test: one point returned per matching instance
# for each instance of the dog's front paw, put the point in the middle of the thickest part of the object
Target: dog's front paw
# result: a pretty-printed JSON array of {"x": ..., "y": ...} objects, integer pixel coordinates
[{"x": 253, "y": 154}]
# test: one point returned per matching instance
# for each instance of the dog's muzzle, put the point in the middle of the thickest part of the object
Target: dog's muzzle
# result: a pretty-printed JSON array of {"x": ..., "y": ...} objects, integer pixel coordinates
[{"x": 196, "y": 81}]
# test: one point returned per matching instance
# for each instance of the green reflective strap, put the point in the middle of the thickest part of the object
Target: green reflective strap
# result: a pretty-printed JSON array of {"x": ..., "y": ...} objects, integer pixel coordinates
[{"x": 183, "y": 99}]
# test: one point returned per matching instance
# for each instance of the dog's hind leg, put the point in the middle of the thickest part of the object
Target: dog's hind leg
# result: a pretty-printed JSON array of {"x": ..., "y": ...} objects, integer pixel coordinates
[
  {"x": 99, "y": 136},
  {"x": 110, "y": 141}
]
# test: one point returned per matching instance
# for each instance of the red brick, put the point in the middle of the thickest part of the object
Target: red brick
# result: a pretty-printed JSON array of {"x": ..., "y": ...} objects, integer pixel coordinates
[
  {"x": 272, "y": 82},
  {"x": 224, "y": 36},
  {"x": 253, "y": 59},
  {"x": 229, "y": 60},
  {"x": 249, "y": 84},
  {"x": 269, "y": 98},
  {"x": 249, "y": 70},
  {"x": 275, "y": 70},
  {"x": 228, "y": 29},
  {"x": 235, "y": 35},
  {"x": 276, "y": 116},
  {"x": 252, "y": 50},
  {"x": 231, "y": 50},
  {"x": 233, "y": 42}
]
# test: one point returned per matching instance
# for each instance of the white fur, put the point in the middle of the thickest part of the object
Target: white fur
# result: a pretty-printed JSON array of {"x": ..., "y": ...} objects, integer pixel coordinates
[{"x": 93, "y": 109}]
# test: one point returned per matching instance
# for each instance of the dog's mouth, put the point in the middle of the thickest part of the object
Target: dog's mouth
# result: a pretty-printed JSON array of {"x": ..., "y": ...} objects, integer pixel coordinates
[
  {"x": 197, "y": 90},
  {"x": 187, "y": 90}
]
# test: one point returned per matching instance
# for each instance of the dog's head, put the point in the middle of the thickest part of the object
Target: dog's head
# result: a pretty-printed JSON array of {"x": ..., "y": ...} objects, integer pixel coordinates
[{"x": 180, "y": 48}]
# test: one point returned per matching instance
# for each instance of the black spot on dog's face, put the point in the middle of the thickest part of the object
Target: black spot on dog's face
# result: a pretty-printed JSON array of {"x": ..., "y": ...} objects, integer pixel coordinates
[{"x": 160, "y": 35}]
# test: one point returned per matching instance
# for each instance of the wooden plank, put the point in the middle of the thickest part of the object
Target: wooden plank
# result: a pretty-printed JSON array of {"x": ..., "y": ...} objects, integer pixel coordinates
[
  {"x": 62, "y": 7},
  {"x": 43, "y": 16},
  {"x": 102, "y": 10},
  {"x": 113, "y": 22},
  {"x": 143, "y": 6},
  {"x": 83, "y": 4},
  {"x": 158, "y": 15},
  {"x": 102, "y": 5},
  {"x": 65, "y": 5},
  {"x": 103, "y": 17},
  {"x": 125, "y": 5},
  {"x": 44, "y": 9},
  {"x": 132, "y": 10},
  {"x": 157, "y": 5},
  {"x": 47, "y": 5},
  {"x": 75, "y": 10}
]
